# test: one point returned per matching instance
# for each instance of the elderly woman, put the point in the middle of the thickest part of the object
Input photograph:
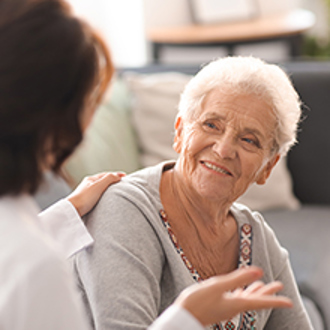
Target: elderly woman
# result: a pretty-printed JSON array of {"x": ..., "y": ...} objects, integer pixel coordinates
[{"x": 168, "y": 226}]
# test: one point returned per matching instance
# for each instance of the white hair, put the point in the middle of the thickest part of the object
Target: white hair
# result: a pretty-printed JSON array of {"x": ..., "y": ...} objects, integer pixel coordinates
[{"x": 247, "y": 75}]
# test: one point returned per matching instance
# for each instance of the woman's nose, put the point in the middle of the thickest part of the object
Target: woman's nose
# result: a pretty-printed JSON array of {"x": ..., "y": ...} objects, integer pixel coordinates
[{"x": 225, "y": 147}]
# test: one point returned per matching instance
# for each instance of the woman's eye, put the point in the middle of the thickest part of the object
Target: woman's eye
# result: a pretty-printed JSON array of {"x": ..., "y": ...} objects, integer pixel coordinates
[
  {"x": 251, "y": 142},
  {"x": 210, "y": 125}
]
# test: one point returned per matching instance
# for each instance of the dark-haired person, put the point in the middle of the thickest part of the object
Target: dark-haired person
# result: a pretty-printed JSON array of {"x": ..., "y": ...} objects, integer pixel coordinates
[{"x": 54, "y": 70}]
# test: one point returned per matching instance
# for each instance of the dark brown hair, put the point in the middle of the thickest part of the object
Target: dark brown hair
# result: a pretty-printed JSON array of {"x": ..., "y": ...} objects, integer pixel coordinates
[{"x": 50, "y": 64}]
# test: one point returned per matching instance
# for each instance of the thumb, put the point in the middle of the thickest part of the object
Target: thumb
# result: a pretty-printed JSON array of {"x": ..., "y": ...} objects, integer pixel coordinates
[{"x": 121, "y": 174}]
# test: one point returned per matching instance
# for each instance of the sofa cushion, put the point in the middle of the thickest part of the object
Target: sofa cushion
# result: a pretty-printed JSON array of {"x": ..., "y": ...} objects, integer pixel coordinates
[
  {"x": 155, "y": 98},
  {"x": 304, "y": 233},
  {"x": 315, "y": 315},
  {"x": 277, "y": 193},
  {"x": 109, "y": 143}
]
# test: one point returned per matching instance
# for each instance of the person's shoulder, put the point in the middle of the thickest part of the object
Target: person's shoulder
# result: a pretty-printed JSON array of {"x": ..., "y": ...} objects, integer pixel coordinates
[
  {"x": 140, "y": 187},
  {"x": 35, "y": 277},
  {"x": 22, "y": 235},
  {"x": 243, "y": 214},
  {"x": 132, "y": 203},
  {"x": 38, "y": 247},
  {"x": 30, "y": 255},
  {"x": 264, "y": 235}
]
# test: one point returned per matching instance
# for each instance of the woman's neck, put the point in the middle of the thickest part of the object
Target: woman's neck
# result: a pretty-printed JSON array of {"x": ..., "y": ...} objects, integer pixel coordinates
[
  {"x": 181, "y": 202},
  {"x": 207, "y": 233}
]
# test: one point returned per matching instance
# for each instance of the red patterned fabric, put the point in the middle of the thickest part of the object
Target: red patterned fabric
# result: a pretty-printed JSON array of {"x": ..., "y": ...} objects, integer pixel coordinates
[{"x": 246, "y": 320}]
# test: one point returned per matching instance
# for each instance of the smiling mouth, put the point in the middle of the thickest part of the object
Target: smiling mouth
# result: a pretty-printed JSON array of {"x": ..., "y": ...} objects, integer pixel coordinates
[{"x": 215, "y": 168}]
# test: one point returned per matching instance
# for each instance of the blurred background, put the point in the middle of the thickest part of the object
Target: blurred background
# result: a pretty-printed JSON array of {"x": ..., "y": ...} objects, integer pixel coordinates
[
  {"x": 133, "y": 128},
  {"x": 127, "y": 24}
]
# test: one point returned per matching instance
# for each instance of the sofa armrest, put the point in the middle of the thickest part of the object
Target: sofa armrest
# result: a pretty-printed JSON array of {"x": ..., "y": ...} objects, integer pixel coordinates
[{"x": 305, "y": 234}]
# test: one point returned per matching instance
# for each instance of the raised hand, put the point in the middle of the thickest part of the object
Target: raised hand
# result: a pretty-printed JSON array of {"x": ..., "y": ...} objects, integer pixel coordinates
[{"x": 222, "y": 297}]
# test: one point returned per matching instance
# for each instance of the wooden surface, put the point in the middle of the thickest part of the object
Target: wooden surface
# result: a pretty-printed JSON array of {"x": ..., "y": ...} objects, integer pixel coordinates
[{"x": 277, "y": 26}]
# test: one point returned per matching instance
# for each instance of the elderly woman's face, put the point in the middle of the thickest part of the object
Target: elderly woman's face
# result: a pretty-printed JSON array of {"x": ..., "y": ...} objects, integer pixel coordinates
[{"x": 228, "y": 146}]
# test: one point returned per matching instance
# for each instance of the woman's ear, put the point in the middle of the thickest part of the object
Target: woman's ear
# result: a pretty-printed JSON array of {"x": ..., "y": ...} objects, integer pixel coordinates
[
  {"x": 265, "y": 172},
  {"x": 178, "y": 135}
]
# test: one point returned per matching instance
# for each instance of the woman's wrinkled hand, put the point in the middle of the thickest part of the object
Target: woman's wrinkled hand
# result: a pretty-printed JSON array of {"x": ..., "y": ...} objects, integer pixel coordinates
[
  {"x": 90, "y": 190},
  {"x": 222, "y": 297}
]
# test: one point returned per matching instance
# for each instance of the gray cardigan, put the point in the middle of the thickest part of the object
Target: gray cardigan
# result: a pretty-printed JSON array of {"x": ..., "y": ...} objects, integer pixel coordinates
[{"x": 133, "y": 271}]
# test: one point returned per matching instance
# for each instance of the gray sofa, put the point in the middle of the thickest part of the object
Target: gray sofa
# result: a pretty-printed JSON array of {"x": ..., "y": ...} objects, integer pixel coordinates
[{"x": 304, "y": 232}]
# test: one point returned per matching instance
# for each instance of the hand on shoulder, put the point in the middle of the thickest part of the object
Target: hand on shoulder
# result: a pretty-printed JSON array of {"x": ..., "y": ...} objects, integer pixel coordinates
[{"x": 90, "y": 190}]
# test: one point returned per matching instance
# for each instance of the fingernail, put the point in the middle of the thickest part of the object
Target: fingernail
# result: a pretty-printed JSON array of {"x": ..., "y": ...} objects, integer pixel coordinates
[{"x": 121, "y": 174}]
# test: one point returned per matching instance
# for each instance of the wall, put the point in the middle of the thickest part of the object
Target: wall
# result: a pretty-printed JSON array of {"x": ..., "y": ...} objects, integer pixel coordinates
[{"x": 123, "y": 25}]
